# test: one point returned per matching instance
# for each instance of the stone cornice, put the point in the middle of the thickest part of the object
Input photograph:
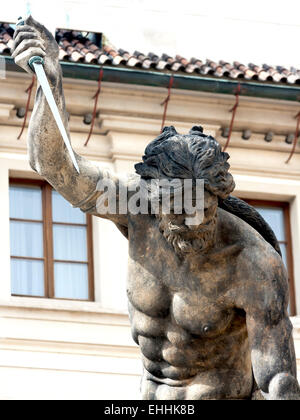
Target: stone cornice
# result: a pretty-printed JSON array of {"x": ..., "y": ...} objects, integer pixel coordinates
[
  {"x": 124, "y": 139},
  {"x": 127, "y": 112},
  {"x": 257, "y": 114},
  {"x": 183, "y": 81}
]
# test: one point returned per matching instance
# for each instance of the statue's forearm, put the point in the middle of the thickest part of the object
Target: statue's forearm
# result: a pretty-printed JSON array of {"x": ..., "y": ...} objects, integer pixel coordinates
[
  {"x": 273, "y": 356},
  {"x": 47, "y": 151},
  {"x": 46, "y": 148}
]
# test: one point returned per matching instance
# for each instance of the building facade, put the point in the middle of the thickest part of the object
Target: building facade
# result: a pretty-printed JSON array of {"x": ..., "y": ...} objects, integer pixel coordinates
[{"x": 73, "y": 342}]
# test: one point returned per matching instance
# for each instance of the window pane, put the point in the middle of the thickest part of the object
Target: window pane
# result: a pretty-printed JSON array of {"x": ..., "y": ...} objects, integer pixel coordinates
[
  {"x": 25, "y": 203},
  {"x": 71, "y": 281},
  {"x": 70, "y": 243},
  {"x": 63, "y": 211},
  {"x": 26, "y": 239},
  {"x": 283, "y": 251},
  {"x": 27, "y": 277},
  {"x": 275, "y": 219}
]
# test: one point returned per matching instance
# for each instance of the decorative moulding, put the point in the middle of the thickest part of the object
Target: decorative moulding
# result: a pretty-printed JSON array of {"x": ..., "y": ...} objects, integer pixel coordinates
[{"x": 5, "y": 110}]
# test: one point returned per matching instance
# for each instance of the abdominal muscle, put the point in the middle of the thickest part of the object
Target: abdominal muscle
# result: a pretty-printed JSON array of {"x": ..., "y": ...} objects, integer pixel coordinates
[
  {"x": 210, "y": 385},
  {"x": 181, "y": 364},
  {"x": 196, "y": 370}
]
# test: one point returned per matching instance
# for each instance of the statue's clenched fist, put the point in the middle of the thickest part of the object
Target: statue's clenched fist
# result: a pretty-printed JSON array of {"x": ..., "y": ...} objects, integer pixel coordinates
[
  {"x": 284, "y": 387},
  {"x": 33, "y": 39}
]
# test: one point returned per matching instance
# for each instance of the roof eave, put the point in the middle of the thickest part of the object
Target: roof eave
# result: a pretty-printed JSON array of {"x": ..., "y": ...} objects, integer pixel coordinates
[{"x": 186, "y": 82}]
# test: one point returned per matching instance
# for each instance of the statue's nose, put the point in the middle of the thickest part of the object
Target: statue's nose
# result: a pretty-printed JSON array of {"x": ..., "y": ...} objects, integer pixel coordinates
[{"x": 193, "y": 221}]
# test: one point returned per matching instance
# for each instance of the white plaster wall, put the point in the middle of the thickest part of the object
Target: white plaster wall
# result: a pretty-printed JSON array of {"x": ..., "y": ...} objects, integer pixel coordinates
[
  {"x": 110, "y": 256},
  {"x": 53, "y": 349},
  {"x": 19, "y": 383}
]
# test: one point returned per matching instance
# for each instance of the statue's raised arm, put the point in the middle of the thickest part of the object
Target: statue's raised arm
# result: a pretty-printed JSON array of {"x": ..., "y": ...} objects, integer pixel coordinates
[{"x": 47, "y": 152}]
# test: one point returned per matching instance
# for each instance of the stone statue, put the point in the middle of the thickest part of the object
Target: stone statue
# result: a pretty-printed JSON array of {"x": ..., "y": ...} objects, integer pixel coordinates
[{"x": 208, "y": 301}]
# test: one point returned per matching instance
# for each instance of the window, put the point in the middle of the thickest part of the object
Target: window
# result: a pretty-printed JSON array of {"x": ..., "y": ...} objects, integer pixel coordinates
[
  {"x": 277, "y": 216},
  {"x": 51, "y": 244}
]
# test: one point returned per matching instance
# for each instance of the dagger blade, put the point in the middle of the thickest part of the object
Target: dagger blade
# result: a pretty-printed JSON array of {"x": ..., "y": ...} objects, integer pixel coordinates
[{"x": 42, "y": 78}]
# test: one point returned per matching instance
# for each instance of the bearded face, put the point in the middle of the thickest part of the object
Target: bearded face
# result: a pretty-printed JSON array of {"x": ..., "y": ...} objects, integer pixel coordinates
[{"x": 187, "y": 238}]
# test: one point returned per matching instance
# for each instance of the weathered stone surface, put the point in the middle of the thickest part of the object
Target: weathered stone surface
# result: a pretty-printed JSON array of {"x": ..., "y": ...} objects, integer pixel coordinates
[{"x": 207, "y": 302}]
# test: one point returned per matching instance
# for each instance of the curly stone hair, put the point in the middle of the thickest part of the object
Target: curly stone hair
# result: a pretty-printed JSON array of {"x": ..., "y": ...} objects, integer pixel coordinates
[{"x": 192, "y": 156}]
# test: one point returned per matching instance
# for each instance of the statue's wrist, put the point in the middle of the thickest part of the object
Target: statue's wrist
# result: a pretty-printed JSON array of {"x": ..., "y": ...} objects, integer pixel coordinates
[{"x": 53, "y": 71}]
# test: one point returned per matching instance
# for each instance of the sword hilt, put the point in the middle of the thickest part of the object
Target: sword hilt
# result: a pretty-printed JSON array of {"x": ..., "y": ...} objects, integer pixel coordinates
[
  {"x": 35, "y": 59},
  {"x": 20, "y": 21}
]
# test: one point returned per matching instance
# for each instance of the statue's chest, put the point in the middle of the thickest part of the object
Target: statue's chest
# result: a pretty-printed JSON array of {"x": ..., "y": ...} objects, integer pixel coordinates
[{"x": 192, "y": 302}]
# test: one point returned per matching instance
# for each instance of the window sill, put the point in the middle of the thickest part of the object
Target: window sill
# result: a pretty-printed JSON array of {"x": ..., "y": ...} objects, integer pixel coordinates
[
  {"x": 60, "y": 305},
  {"x": 71, "y": 326}
]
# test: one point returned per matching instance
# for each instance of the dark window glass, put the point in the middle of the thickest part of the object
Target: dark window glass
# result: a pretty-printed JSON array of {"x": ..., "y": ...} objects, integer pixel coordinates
[{"x": 50, "y": 244}]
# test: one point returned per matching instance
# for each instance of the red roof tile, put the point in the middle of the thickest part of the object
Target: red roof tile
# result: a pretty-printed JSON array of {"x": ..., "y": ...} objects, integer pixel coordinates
[{"x": 76, "y": 48}]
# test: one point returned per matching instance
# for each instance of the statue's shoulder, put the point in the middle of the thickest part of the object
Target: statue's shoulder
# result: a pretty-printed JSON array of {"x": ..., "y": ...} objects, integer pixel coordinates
[
  {"x": 238, "y": 229},
  {"x": 252, "y": 217},
  {"x": 261, "y": 280},
  {"x": 255, "y": 250}
]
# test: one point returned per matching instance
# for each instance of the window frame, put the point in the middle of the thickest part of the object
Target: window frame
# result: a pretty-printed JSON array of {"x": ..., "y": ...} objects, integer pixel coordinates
[
  {"x": 285, "y": 206},
  {"x": 48, "y": 258}
]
